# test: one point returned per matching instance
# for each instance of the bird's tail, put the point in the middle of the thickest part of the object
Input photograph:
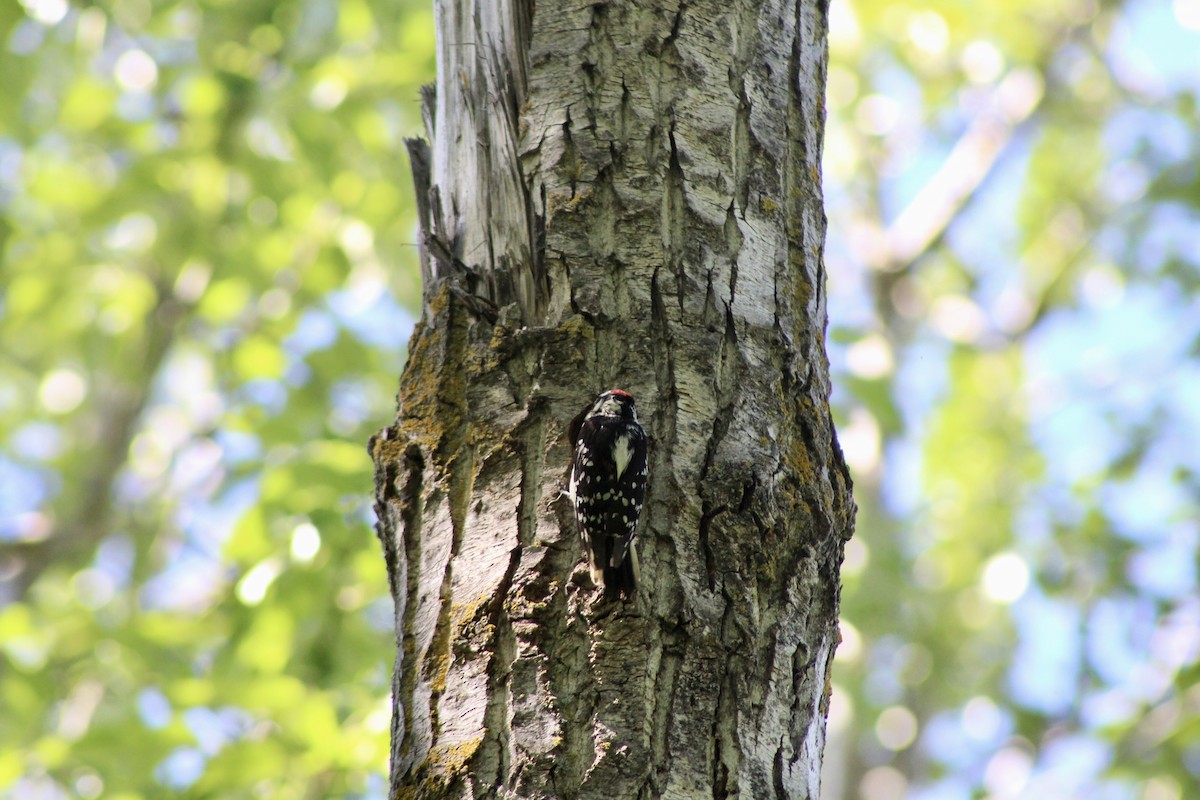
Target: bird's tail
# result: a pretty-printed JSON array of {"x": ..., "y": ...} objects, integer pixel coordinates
[{"x": 622, "y": 580}]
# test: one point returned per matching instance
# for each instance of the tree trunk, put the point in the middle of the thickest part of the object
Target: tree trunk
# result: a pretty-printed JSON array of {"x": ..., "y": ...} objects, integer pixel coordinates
[{"x": 617, "y": 196}]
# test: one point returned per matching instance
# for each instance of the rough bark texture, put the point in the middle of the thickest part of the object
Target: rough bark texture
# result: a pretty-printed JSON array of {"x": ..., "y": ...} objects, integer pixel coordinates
[{"x": 617, "y": 195}]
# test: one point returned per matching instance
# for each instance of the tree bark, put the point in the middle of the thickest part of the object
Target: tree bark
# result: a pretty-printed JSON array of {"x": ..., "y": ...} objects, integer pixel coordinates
[{"x": 617, "y": 195}]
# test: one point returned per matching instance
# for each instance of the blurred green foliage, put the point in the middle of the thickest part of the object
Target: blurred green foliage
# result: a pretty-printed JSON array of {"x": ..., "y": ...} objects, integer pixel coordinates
[
  {"x": 206, "y": 227},
  {"x": 1013, "y": 204}
]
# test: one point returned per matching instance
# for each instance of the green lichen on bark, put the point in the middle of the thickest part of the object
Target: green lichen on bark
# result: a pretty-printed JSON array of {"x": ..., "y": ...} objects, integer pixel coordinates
[
  {"x": 432, "y": 397},
  {"x": 442, "y": 775}
]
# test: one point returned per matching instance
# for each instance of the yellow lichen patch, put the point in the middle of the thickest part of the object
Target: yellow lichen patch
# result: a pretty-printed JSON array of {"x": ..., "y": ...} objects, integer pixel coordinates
[
  {"x": 440, "y": 773},
  {"x": 799, "y": 461},
  {"x": 437, "y": 663},
  {"x": 454, "y": 757},
  {"x": 465, "y": 612},
  {"x": 390, "y": 450},
  {"x": 471, "y": 621},
  {"x": 561, "y": 201},
  {"x": 802, "y": 294},
  {"x": 437, "y": 303},
  {"x": 577, "y": 332},
  {"x": 555, "y": 201},
  {"x": 419, "y": 387},
  {"x": 433, "y": 388},
  {"x": 827, "y": 692},
  {"x": 442, "y": 769},
  {"x": 580, "y": 197},
  {"x": 768, "y": 205},
  {"x": 500, "y": 338},
  {"x": 427, "y": 788}
]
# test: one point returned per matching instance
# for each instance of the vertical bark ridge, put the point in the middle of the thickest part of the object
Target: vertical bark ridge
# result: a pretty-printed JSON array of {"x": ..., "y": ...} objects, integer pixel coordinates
[
  {"x": 485, "y": 212},
  {"x": 493, "y": 761},
  {"x": 665, "y": 659},
  {"x": 675, "y": 219},
  {"x": 573, "y": 688},
  {"x": 502, "y": 720},
  {"x": 666, "y": 553},
  {"x": 404, "y": 575},
  {"x": 438, "y": 661}
]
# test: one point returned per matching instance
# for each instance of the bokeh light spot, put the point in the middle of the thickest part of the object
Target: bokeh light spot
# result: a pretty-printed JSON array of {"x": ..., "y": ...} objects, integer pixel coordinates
[
  {"x": 1008, "y": 772},
  {"x": 47, "y": 12},
  {"x": 870, "y": 357},
  {"x": 136, "y": 71},
  {"x": 1005, "y": 578},
  {"x": 860, "y": 441},
  {"x": 882, "y": 783},
  {"x": 62, "y": 390},
  {"x": 253, "y": 586},
  {"x": 982, "y": 62},
  {"x": 896, "y": 728},
  {"x": 841, "y": 709},
  {"x": 306, "y": 542},
  {"x": 981, "y": 720}
]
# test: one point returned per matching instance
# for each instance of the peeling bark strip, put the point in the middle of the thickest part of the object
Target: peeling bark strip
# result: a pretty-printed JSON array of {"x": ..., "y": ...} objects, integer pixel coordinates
[{"x": 617, "y": 195}]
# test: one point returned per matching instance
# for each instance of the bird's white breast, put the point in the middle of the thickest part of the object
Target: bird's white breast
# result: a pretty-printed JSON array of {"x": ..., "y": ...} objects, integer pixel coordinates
[{"x": 622, "y": 452}]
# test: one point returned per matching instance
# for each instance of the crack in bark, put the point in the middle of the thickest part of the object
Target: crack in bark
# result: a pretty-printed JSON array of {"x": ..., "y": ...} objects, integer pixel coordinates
[
  {"x": 418, "y": 159},
  {"x": 598, "y": 49},
  {"x": 676, "y": 23},
  {"x": 623, "y": 110},
  {"x": 569, "y": 163},
  {"x": 412, "y": 508},
  {"x": 725, "y": 381},
  {"x": 733, "y": 246},
  {"x": 674, "y": 218},
  {"x": 748, "y": 489},
  {"x": 387, "y": 492},
  {"x": 710, "y": 558},
  {"x": 723, "y": 729},
  {"x": 781, "y": 792},
  {"x": 800, "y": 713}
]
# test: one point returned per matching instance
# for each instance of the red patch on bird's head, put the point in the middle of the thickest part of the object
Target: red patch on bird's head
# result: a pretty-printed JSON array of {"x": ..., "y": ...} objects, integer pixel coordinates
[{"x": 620, "y": 393}]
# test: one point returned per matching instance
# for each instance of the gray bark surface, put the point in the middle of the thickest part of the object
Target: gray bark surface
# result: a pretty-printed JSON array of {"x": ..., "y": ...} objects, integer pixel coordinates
[{"x": 617, "y": 194}]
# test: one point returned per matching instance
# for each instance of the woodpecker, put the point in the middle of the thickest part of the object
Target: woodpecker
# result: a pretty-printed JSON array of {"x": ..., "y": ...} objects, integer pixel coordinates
[{"x": 607, "y": 486}]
